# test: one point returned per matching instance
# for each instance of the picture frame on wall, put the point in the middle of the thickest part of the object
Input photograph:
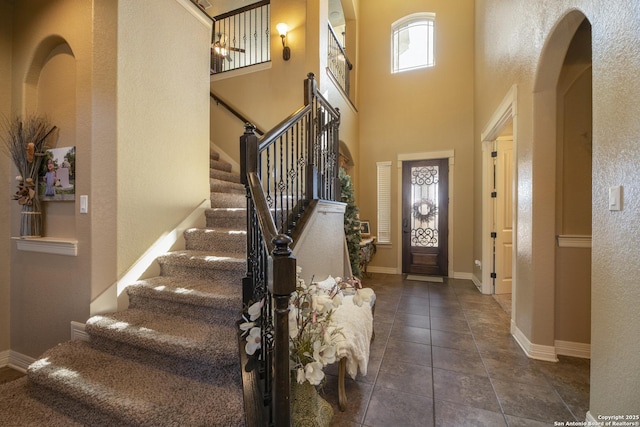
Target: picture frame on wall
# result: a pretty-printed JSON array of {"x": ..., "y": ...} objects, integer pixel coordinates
[
  {"x": 58, "y": 175},
  {"x": 365, "y": 231}
]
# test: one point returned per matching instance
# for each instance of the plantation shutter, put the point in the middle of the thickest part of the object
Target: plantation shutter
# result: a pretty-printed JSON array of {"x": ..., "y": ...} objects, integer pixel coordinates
[{"x": 384, "y": 202}]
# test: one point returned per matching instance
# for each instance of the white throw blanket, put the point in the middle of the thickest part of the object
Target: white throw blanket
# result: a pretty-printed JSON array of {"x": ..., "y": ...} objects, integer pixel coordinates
[{"x": 356, "y": 324}]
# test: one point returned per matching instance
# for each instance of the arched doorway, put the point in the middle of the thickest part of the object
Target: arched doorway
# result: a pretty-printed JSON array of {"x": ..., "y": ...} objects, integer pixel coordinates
[{"x": 562, "y": 127}]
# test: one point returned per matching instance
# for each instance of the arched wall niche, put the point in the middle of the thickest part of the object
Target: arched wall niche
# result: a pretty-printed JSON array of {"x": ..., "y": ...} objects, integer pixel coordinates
[
  {"x": 41, "y": 55},
  {"x": 346, "y": 159},
  {"x": 50, "y": 87}
]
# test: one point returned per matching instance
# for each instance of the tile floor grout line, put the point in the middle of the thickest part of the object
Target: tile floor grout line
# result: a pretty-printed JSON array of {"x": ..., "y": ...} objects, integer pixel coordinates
[
  {"x": 433, "y": 378},
  {"x": 475, "y": 343},
  {"x": 375, "y": 380}
]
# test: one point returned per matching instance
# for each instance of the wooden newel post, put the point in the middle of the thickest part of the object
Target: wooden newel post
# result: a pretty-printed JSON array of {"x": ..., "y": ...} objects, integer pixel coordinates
[
  {"x": 310, "y": 90},
  {"x": 248, "y": 152},
  {"x": 335, "y": 135},
  {"x": 248, "y": 164},
  {"x": 283, "y": 285}
]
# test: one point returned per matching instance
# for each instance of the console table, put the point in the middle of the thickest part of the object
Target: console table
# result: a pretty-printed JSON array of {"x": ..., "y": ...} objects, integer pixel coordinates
[{"x": 367, "y": 249}]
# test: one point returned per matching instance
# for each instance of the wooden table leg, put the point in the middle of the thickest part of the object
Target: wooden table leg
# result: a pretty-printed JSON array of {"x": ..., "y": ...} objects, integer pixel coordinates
[{"x": 342, "y": 393}]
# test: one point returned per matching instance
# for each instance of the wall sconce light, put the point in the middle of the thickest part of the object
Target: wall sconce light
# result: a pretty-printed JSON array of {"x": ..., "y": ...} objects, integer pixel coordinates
[{"x": 282, "y": 30}]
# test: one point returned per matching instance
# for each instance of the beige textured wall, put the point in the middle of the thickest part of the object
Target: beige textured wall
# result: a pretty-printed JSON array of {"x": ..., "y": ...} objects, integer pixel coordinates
[
  {"x": 416, "y": 111},
  {"x": 323, "y": 234},
  {"x": 140, "y": 127},
  {"x": 573, "y": 213},
  {"x": 163, "y": 122},
  {"x": 6, "y": 180},
  {"x": 509, "y": 46},
  {"x": 48, "y": 291}
]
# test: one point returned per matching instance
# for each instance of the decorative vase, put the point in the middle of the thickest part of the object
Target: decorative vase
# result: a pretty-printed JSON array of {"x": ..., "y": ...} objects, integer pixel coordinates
[
  {"x": 308, "y": 408},
  {"x": 31, "y": 219}
]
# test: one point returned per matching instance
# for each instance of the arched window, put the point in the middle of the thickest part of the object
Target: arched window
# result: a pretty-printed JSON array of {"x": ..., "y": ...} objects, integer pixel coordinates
[{"x": 412, "y": 42}]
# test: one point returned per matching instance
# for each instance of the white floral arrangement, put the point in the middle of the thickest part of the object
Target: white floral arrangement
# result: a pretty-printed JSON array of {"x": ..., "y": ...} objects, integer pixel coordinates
[{"x": 313, "y": 336}]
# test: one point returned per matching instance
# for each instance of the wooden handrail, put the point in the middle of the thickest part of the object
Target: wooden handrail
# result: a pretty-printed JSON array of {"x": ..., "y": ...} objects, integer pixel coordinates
[{"x": 235, "y": 112}]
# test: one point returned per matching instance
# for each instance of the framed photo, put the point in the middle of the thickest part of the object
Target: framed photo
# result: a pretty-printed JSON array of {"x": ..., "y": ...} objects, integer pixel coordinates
[
  {"x": 58, "y": 175},
  {"x": 364, "y": 229}
]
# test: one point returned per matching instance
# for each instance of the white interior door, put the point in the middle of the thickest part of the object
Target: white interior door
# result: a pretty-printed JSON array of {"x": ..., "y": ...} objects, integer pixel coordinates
[{"x": 503, "y": 215}]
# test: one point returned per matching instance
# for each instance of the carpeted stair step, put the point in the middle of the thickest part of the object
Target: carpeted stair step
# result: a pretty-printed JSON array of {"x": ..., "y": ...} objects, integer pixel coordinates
[
  {"x": 216, "y": 239},
  {"x": 228, "y": 200},
  {"x": 195, "y": 299},
  {"x": 203, "y": 265},
  {"x": 214, "y": 155},
  {"x": 219, "y": 165},
  {"x": 233, "y": 218},
  {"x": 221, "y": 186},
  {"x": 224, "y": 176},
  {"x": 174, "y": 336},
  {"x": 139, "y": 393}
]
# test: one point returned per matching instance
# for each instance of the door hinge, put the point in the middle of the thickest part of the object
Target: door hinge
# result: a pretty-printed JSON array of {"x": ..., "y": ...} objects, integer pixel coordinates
[
  {"x": 494, "y": 235},
  {"x": 494, "y": 275},
  {"x": 494, "y": 194},
  {"x": 494, "y": 154}
]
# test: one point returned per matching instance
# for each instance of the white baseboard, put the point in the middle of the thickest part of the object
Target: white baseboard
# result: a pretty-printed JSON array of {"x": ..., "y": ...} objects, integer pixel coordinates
[
  {"x": 573, "y": 349},
  {"x": 78, "y": 332},
  {"x": 476, "y": 282},
  {"x": 19, "y": 362},
  {"x": 460, "y": 275},
  {"x": 533, "y": 351},
  {"x": 382, "y": 270},
  {"x": 4, "y": 358},
  {"x": 591, "y": 420}
]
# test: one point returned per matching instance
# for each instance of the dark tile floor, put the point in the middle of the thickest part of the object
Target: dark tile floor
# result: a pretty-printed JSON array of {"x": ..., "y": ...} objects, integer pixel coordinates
[{"x": 443, "y": 356}]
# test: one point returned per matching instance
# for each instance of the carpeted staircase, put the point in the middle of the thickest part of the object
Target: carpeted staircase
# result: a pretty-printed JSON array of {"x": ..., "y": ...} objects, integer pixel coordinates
[{"x": 171, "y": 358}]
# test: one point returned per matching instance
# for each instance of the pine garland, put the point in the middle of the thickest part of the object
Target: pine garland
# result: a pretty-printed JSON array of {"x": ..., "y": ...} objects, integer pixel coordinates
[{"x": 351, "y": 222}]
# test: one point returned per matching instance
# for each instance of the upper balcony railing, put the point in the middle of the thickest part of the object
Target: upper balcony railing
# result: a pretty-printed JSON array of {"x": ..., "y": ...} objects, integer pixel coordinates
[
  {"x": 338, "y": 62},
  {"x": 241, "y": 38}
]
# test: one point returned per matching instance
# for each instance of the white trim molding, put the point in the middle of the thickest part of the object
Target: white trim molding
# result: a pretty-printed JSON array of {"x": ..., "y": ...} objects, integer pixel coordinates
[
  {"x": 382, "y": 270},
  {"x": 573, "y": 241},
  {"x": 477, "y": 282},
  {"x": 193, "y": 10},
  {"x": 4, "y": 358},
  {"x": 573, "y": 349},
  {"x": 19, "y": 362},
  {"x": 533, "y": 351},
  {"x": 48, "y": 245},
  {"x": 78, "y": 332},
  {"x": 462, "y": 275}
]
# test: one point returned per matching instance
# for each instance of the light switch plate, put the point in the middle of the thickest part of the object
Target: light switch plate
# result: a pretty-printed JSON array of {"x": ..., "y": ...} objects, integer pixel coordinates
[
  {"x": 615, "y": 198},
  {"x": 84, "y": 204}
]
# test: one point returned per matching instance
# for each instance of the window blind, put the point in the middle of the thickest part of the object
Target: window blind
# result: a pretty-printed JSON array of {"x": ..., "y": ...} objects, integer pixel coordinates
[{"x": 384, "y": 202}]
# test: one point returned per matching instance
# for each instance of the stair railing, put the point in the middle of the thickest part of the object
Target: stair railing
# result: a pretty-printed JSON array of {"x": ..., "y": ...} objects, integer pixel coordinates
[
  {"x": 338, "y": 62},
  {"x": 241, "y": 38},
  {"x": 294, "y": 163},
  {"x": 234, "y": 112}
]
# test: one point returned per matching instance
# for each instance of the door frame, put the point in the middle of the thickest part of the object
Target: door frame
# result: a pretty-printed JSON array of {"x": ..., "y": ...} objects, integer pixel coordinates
[
  {"x": 428, "y": 155},
  {"x": 505, "y": 113}
]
